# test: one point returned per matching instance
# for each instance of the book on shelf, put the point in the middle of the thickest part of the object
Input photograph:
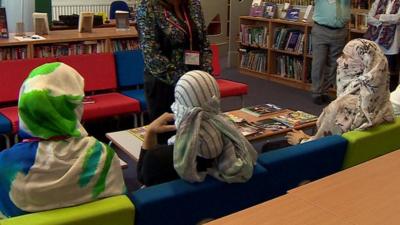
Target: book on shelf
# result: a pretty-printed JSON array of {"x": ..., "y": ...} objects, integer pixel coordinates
[
  {"x": 295, "y": 118},
  {"x": 289, "y": 39},
  {"x": 257, "y": 11},
  {"x": 40, "y": 23},
  {"x": 138, "y": 132},
  {"x": 123, "y": 44},
  {"x": 284, "y": 10},
  {"x": 122, "y": 20},
  {"x": 293, "y": 14},
  {"x": 270, "y": 10},
  {"x": 289, "y": 66},
  {"x": 86, "y": 22},
  {"x": 12, "y": 53},
  {"x": 361, "y": 21},
  {"x": 261, "y": 110},
  {"x": 307, "y": 17},
  {"x": 270, "y": 125},
  {"x": 3, "y": 23},
  {"x": 254, "y": 35},
  {"x": 253, "y": 60},
  {"x": 294, "y": 2}
]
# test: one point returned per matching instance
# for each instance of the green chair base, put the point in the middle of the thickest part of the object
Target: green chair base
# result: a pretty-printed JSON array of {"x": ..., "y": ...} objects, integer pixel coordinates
[
  {"x": 371, "y": 143},
  {"x": 117, "y": 210}
]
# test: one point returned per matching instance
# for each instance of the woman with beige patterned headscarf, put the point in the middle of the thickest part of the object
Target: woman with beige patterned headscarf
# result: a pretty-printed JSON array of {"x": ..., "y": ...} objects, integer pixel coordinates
[{"x": 362, "y": 93}]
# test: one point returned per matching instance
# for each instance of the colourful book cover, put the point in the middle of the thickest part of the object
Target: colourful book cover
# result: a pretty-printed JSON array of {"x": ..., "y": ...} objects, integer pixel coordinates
[
  {"x": 295, "y": 118},
  {"x": 293, "y": 14}
]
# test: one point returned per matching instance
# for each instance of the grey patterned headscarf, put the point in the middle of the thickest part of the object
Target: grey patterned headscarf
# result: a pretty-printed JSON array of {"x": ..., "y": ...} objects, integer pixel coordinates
[
  {"x": 202, "y": 130},
  {"x": 362, "y": 91}
]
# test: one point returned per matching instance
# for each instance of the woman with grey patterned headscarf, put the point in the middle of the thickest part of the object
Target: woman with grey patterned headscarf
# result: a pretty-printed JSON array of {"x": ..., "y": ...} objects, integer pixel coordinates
[
  {"x": 206, "y": 141},
  {"x": 362, "y": 93}
]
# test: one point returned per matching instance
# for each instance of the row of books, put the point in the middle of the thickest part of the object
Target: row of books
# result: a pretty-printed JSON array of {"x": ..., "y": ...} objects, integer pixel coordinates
[
  {"x": 309, "y": 50},
  {"x": 124, "y": 44},
  {"x": 65, "y": 49},
  {"x": 255, "y": 60},
  {"x": 289, "y": 66},
  {"x": 11, "y": 53},
  {"x": 289, "y": 39},
  {"x": 293, "y": 2},
  {"x": 254, "y": 35}
]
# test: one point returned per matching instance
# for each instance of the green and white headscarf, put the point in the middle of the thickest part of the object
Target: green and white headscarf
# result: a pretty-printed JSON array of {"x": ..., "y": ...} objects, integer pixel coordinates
[
  {"x": 70, "y": 168},
  {"x": 202, "y": 130}
]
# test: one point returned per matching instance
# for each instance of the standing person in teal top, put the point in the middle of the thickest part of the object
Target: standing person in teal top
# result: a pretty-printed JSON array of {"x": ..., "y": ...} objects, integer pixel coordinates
[{"x": 329, "y": 34}]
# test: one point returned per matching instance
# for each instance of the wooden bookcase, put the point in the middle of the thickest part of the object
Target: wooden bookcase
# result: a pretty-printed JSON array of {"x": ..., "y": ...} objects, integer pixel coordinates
[
  {"x": 271, "y": 67},
  {"x": 70, "y": 42}
]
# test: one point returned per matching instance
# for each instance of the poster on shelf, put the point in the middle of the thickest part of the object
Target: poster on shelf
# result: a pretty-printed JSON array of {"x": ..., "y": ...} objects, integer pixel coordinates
[{"x": 3, "y": 23}]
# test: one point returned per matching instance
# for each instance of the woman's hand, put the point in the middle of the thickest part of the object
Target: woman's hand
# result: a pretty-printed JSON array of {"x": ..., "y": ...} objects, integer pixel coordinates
[
  {"x": 158, "y": 126},
  {"x": 296, "y": 136}
]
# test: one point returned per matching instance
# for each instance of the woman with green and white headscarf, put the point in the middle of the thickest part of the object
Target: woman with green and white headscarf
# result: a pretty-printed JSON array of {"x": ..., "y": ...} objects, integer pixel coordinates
[
  {"x": 57, "y": 164},
  {"x": 206, "y": 141}
]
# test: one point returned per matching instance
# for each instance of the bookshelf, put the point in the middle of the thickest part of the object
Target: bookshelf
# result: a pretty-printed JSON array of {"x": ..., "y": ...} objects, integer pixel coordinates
[
  {"x": 285, "y": 46},
  {"x": 69, "y": 42}
]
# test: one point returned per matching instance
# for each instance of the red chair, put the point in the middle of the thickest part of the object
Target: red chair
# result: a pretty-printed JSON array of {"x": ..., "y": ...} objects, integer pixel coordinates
[
  {"x": 98, "y": 70},
  {"x": 227, "y": 88}
]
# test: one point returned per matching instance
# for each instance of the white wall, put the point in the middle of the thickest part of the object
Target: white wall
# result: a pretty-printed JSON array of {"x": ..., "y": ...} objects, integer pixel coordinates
[{"x": 15, "y": 13}]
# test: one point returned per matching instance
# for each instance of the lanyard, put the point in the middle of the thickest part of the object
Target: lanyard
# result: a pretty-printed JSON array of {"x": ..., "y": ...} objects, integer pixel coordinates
[
  {"x": 187, "y": 22},
  {"x": 36, "y": 139}
]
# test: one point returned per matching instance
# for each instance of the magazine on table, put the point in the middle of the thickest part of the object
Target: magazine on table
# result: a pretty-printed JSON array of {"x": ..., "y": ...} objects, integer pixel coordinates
[
  {"x": 270, "y": 125},
  {"x": 295, "y": 118},
  {"x": 138, "y": 132},
  {"x": 247, "y": 129},
  {"x": 261, "y": 110}
]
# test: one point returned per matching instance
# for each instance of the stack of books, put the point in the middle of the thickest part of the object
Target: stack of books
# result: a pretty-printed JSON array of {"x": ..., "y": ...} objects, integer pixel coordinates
[
  {"x": 261, "y": 110},
  {"x": 295, "y": 118},
  {"x": 289, "y": 39}
]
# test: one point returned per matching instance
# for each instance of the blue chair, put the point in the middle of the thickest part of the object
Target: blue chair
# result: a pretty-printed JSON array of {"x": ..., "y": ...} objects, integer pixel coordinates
[
  {"x": 181, "y": 203},
  {"x": 118, "y": 5},
  {"x": 130, "y": 73},
  {"x": 310, "y": 161},
  {"x": 5, "y": 128}
]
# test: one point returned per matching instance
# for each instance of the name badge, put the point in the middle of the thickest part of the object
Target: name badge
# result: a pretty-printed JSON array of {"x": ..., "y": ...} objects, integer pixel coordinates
[{"x": 192, "y": 58}]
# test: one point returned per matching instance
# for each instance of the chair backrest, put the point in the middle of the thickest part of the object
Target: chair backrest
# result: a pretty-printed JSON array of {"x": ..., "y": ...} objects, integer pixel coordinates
[
  {"x": 293, "y": 165},
  {"x": 365, "y": 145},
  {"x": 98, "y": 70},
  {"x": 130, "y": 67},
  {"x": 118, "y": 5},
  {"x": 215, "y": 60},
  {"x": 180, "y": 203},
  {"x": 13, "y": 74}
]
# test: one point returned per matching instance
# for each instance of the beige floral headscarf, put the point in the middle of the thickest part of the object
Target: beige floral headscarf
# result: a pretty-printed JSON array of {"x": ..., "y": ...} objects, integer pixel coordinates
[{"x": 362, "y": 91}]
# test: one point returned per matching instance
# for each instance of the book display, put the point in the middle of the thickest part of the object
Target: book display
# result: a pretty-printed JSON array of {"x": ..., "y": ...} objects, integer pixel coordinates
[
  {"x": 254, "y": 35},
  {"x": 40, "y": 23},
  {"x": 86, "y": 22},
  {"x": 122, "y": 20},
  {"x": 254, "y": 60}
]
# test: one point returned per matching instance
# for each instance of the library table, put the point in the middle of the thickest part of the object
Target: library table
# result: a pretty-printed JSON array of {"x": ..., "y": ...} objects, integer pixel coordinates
[
  {"x": 131, "y": 145},
  {"x": 367, "y": 194}
]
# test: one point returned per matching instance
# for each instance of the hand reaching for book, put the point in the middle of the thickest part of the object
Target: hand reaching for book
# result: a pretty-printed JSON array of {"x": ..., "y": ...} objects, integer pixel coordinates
[
  {"x": 158, "y": 126},
  {"x": 295, "y": 137}
]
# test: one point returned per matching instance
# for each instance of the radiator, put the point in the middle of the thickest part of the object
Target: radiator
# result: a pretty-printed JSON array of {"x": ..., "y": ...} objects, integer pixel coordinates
[{"x": 58, "y": 10}]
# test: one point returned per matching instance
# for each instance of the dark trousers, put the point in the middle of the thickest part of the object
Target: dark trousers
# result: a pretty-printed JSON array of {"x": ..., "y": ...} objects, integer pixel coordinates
[
  {"x": 159, "y": 97},
  {"x": 393, "y": 61}
]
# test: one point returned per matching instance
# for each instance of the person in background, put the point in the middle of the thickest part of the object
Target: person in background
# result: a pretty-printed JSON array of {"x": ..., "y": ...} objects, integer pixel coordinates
[
  {"x": 395, "y": 99},
  {"x": 57, "y": 164},
  {"x": 329, "y": 35},
  {"x": 173, "y": 39},
  {"x": 362, "y": 93},
  {"x": 383, "y": 20},
  {"x": 206, "y": 141}
]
